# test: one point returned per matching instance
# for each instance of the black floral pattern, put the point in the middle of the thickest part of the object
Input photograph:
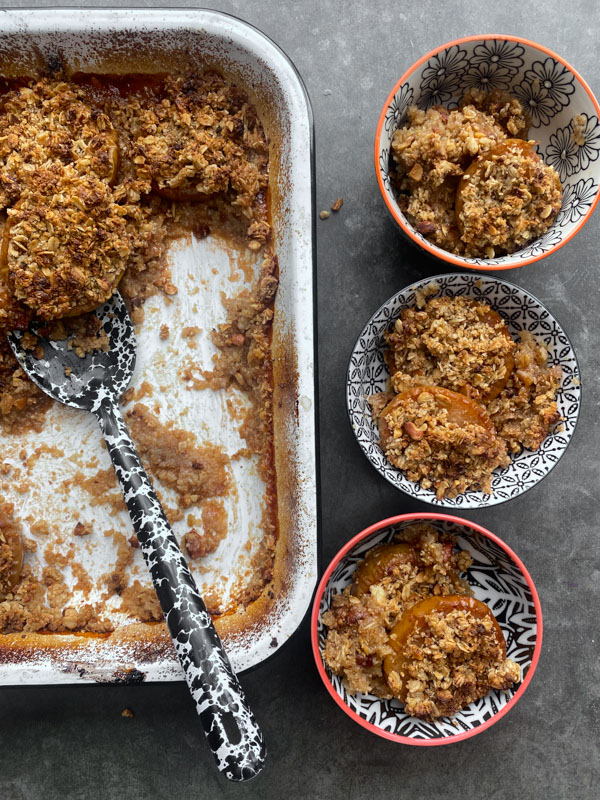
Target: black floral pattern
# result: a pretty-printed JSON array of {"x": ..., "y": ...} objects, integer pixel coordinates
[
  {"x": 499, "y": 54},
  {"x": 561, "y": 153},
  {"x": 398, "y": 107},
  {"x": 368, "y": 374},
  {"x": 554, "y": 79},
  {"x": 447, "y": 66},
  {"x": 495, "y": 580},
  {"x": 438, "y": 91},
  {"x": 577, "y": 200},
  {"x": 486, "y": 76},
  {"x": 589, "y": 150},
  {"x": 543, "y": 245},
  {"x": 537, "y": 102}
]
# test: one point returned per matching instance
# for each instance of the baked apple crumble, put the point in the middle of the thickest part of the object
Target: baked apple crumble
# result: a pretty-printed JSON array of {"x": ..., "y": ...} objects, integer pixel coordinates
[
  {"x": 408, "y": 628},
  {"x": 468, "y": 180},
  {"x": 98, "y": 175},
  {"x": 464, "y": 395}
]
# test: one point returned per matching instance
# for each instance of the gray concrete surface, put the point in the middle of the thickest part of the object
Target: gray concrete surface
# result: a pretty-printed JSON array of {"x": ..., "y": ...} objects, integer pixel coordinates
[{"x": 73, "y": 743}]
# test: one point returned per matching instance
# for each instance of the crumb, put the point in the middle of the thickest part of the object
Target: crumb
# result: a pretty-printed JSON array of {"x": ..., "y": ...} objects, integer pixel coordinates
[
  {"x": 338, "y": 204},
  {"x": 325, "y": 214},
  {"x": 128, "y": 713},
  {"x": 82, "y": 529},
  {"x": 164, "y": 332}
]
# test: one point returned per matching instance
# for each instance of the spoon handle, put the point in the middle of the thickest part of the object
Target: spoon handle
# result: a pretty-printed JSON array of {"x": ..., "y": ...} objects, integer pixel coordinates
[{"x": 232, "y": 732}]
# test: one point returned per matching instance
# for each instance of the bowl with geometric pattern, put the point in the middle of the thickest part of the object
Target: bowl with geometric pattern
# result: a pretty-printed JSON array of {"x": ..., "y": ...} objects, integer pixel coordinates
[
  {"x": 368, "y": 374},
  {"x": 557, "y": 100},
  {"x": 496, "y": 576}
]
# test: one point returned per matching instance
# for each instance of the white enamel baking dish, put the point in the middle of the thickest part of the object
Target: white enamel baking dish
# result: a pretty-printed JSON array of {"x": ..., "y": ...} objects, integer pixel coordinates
[{"x": 153, "y": 40}]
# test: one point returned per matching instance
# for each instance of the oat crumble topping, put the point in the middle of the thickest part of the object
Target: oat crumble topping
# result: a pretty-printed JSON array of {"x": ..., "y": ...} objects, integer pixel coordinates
[
  {"x": 462, "y": 395},
  {"x": 407, "y": 627},
  {"x": 468, "y": 182}
]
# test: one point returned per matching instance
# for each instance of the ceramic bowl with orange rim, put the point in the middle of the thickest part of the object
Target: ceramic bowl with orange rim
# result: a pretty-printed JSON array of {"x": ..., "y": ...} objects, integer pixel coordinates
[
  {"x": 497, "y": 577},
  {"x": 564, "y": 122}
]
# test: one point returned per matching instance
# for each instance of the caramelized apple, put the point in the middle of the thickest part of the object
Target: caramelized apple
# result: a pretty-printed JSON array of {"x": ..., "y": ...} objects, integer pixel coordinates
[
  {"x": 416, "y": 617},
  {"x": 461, "y": 410},
  {"x": 378, "y": 563}
]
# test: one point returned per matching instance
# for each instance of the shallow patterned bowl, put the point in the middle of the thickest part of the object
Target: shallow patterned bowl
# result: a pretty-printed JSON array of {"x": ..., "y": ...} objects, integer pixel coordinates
[
  {"x": 497, "y": 578},
  {"x": 549, "y": 88},
  {"x": 368, "y": 374}
]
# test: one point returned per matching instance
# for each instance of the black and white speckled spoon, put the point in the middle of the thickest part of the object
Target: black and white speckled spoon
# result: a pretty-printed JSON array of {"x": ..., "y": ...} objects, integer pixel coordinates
[{"x": 95, "y": 383}]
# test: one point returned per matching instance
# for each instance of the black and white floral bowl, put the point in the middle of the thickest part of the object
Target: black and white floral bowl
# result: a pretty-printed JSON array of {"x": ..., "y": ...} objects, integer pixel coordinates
[
  {"x": 368, "y": 374},
  {"x": 549, "y": 88},
  {"x": 497, "y": 577}
]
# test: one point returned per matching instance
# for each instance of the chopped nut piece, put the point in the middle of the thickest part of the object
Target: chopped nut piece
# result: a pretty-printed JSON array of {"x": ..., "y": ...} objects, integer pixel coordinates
[
  {"x": 325, "y": 214},
  {"x": 82, "y": 529},
  {"x": 338, "y": 204}
]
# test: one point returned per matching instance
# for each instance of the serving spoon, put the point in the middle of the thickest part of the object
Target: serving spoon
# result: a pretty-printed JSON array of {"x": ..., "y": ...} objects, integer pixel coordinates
[{"x": 95, "y": 383}]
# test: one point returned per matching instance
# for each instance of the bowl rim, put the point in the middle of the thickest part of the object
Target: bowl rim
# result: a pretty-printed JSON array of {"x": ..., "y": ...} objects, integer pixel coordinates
[
  {"x": 388, "y": 522},
  {"x": 437, "y": 252},
  {"x": 464, "y": 275}
]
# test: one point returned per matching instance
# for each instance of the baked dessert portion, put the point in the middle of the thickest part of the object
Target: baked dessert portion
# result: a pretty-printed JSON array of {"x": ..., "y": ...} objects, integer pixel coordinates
[
  {"x": 442, "y": 440},
  {"x": 468, "y": 181},
  {"x": 201, "y": 138},
  {"x": 455, "y": 342},
  {"x": 81, "y": 163},
  {"x": 109, "y": 170},
  {"x": 47, "y": 122},
  {"x": 447, "y": 652},
  {"x": 505, "y": 199},
  {"x": 67, "y": 243},
  {"x": 463, "y": 395},
  {"x": 408, "y": 628}
]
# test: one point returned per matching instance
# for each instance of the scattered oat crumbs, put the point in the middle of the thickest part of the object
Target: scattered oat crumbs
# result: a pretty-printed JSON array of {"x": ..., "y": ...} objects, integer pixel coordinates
[
  {"x": 164, "y": 332},
  {"x": 128, "y": 713},
  {"x": 325, "y": 214},
  {"x": 133, "y": 541},
  {"x": 338, "y": 204}
]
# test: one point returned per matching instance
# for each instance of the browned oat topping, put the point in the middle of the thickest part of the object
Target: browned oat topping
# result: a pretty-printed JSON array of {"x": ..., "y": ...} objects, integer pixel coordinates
[
  {"x": 505, "y": 199},
  {"x": 68, "y": 243},
  {"x": 464, "y": 393},
  {"x": 455, "y": 342},
  {"x": 214, "y": 530},
  {"x": 450, "y": 658},
  {"x": 525, "y": 411},
  {"x": 462, "y": 651},
  {"x": 442, "y": 440},
  {"x": 203, "y": 138},
  {"x": 48, "y": 123},
  {"x": 193, "y": 471},
  {"x": 468, "y": 183}
]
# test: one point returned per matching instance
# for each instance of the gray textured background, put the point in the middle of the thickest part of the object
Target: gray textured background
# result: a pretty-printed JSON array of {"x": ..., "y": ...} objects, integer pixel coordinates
[{"x": 73, "y": 743}]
